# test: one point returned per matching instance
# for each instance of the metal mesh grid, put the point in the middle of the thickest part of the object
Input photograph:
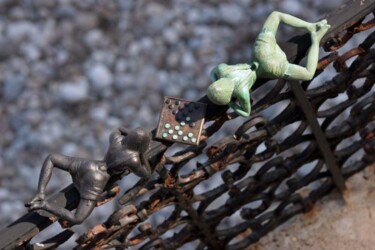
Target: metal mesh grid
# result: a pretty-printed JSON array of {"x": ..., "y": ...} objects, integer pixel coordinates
[{"x": 265, "y": 179}]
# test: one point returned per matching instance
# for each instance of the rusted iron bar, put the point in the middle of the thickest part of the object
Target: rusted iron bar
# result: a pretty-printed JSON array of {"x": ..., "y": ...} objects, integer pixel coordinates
[{"x": 321, "y": 139}]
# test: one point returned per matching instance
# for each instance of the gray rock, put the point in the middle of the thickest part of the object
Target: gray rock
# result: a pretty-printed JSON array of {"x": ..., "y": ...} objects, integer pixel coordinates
[
  {"x": 99, "y": 113},
  {"x": 21, "y": 30},
  {"x": 93, "y": 38},
  {"x": 73, "y": 92},
  {"x": 87, "y": 20},
  {"x": 293, "y": 7},
  {"x": 6, "y": 48},
  {"x": 30, "y": 51},
  {"x": 61, "y": 57},
  {"x": 260, "y": 12},
  {"x": 13, "y": 87},
  {"x": 69, "y": 149},
  {"x": 30, "y": 176},
  {"x": 231, "y": 13},
  {"x": 323, "y": 4},
  {"x": 188, "y": 59},
  {"x": 105, "y": 57},
  {"x": 100, "y": 76},
  {"x": 33, "y": 117},
  {"x": 204, "y": 15},
  {"x": 47, "y": 135},
  {"x": 170, "y": 35},
  {"x": 65, "y": 11}
]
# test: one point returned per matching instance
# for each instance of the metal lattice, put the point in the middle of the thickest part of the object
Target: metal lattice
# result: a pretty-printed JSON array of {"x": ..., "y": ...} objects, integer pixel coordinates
[{"x": 264, "y": 196}]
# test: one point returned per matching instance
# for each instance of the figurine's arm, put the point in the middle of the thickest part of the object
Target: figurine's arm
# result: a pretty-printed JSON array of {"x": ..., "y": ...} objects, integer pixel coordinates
[
  {"x": 146, "y": 164},
  {"x": 118, "y": 134},
  {"x": 214, "y": 74},
  {"x": 223, "y": 69},
  {"x": 123, "y": 130},
  {"x": 244, "y": 107},
  {"x": 140, "y": 166},
  {"x": 83, "y": 210}
]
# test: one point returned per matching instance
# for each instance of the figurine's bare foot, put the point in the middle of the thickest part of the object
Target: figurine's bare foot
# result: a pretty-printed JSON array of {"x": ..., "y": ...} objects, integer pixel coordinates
[
  {"x": 37, "y": 205},
  {"x": 321, "y": 28},
  {"x": 315, "y": 27},
  {"x": 37, "y": 199},
  {"x": 321, "y": 23}
]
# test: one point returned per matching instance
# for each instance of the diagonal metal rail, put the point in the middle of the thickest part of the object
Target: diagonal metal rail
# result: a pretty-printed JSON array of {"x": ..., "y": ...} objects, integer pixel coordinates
[{"x": 321, "y": 140}]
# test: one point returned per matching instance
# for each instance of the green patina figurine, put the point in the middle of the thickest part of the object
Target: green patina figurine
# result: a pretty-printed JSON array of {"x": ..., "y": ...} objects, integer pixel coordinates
[{"x": 232, "y": 83}]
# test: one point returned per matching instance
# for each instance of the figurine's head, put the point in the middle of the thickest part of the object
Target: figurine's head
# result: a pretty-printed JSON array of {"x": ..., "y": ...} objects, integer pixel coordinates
[
  {"x": 220, "y": 92},
  {"x": 138, "y": 140}
]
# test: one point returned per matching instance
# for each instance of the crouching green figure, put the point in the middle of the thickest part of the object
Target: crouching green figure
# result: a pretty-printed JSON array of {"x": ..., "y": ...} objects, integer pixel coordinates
[{"x": 232, "y": 83}]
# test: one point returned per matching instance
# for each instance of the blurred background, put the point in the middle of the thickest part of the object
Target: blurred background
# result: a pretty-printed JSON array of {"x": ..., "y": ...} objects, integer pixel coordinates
[{"x": 73, "y": 70}]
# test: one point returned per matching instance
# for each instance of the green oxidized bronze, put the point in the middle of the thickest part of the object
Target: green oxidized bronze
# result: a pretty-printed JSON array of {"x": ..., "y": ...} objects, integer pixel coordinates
[{"x": 232, "y": 83}]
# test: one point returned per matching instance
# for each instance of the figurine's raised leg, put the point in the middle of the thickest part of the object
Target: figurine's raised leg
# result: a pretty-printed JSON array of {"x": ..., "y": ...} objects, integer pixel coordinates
[
  {"x": 53, "y": 160},
  {"x": 272, "y": 59},
  {"x": 296, "y": 72},
  {"x": 272, "y": 22},
  {"x": 83, "y": 210}
]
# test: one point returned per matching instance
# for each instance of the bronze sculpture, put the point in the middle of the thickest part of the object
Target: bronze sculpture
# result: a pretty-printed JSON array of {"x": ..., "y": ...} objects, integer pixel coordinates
[
  {"x": 232, "y": 83},
  {"x": 90, "y": 177}
]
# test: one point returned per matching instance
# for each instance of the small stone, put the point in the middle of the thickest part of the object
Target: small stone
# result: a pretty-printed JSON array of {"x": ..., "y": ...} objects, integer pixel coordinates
[
  {"x": 73, "y": 92},
  {"x": 93, "y": 38},
  {"x": 293, "y": 7},
  {"x": 322, "y": 4},
  {"x": 13, "y": 87},
  {"x": 6, "y": 48},
  {"x": 4, "y": 193},
  {"x": 21, "y": 30},
  {"x": 99, "y": 113},
  {"x": 231, "y": 13},
  {"x": 30, "y": 51},
  {"x": 170, "y": 36},
  {"x": 100, "y": 76},
  {"x": 69, "y": 149},
  {"x": 188, "y": 59},
  {"x": 65, "y": 11}
]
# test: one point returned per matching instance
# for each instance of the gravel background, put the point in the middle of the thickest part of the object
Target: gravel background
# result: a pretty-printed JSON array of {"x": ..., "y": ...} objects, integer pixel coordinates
[{"x": 73, "y": 70}]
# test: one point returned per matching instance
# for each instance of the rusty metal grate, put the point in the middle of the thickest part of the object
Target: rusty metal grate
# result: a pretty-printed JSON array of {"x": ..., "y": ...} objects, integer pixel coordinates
[
  {"x": 261, "y": 178},
  {"x": 265, "y": 197}
]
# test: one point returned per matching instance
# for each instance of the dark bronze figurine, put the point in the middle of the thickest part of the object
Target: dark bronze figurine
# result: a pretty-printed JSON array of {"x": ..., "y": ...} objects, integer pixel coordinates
[{"x": 125, "y": 154}]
